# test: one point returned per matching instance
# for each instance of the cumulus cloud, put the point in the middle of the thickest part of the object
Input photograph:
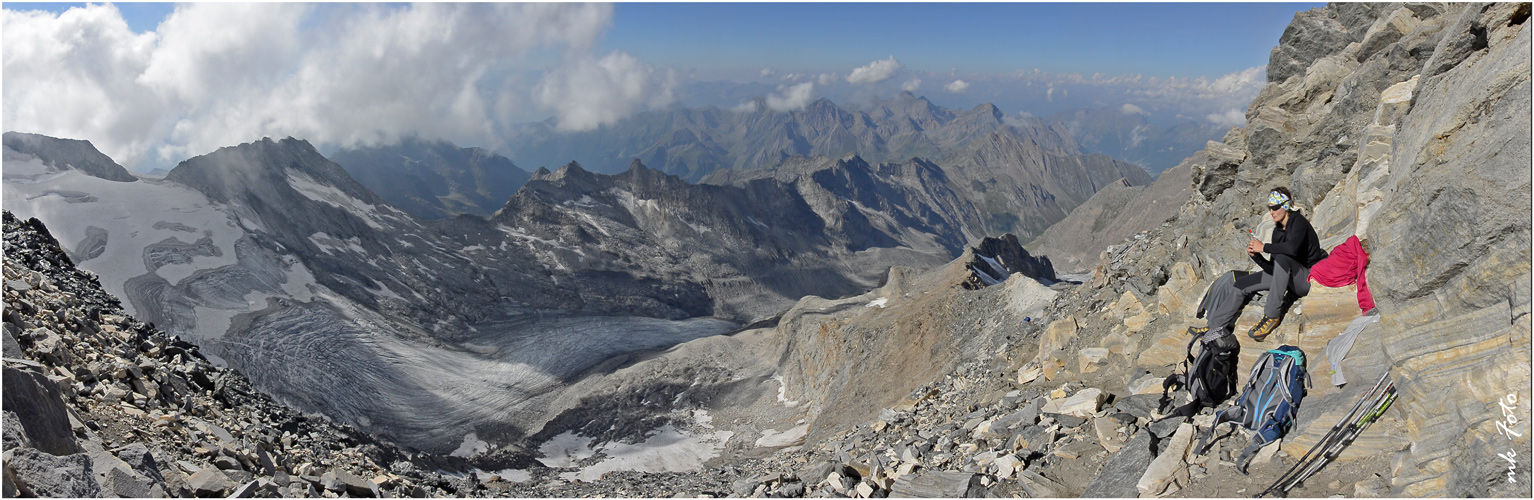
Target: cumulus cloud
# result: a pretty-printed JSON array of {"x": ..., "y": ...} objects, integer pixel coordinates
[
  {"x": 791, "y": 98},
  {"x": 957, "y": 87},
  {"x": 1130, "y": 109},
  {"x": 911, "y": 85},
  {"x": 73, "y": 75},
  {"x": 827, "y": 78},
  {"x": 750, "y": 106},
  {"x": 1230, "y": 118},
  {"x": 595, "y": 92},
  {"x": 874, "y": 72},
  {"x": 766, "y": 72},
  {"x": 1241, "y": 80},
  {"x": 213, "y": 75}
]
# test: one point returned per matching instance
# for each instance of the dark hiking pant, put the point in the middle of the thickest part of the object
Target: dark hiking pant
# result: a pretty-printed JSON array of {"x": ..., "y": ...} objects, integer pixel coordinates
[{"x": 1285, "y": 280}]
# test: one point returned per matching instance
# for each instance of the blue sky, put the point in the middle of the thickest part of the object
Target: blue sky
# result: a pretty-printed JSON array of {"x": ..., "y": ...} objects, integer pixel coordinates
[
  {"x": 1153, "y": 39},
  {"x": 152, "y": 84}
]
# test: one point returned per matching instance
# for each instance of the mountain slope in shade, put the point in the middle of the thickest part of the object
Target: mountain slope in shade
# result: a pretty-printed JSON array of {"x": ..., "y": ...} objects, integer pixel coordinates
[
  {"x": 434, "y": 179},
  {"x": 1108, "y": 217},
  {"x": 61, "y": 154}
]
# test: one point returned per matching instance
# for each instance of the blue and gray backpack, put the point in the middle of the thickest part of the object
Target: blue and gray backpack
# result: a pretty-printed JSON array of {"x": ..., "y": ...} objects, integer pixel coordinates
[{"x": 1269, "y": 403}]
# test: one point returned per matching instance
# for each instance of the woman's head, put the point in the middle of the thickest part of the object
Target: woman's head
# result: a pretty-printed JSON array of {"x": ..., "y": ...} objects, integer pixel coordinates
[{"x": 1280, "y": 203}]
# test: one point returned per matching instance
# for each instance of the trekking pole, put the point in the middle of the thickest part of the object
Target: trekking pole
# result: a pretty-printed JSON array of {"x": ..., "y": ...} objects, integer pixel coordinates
[
  {"x": 1332, "y": 449},
  {"x": 1381, "y": 404},
  {"x": 1328, "y": 438}
]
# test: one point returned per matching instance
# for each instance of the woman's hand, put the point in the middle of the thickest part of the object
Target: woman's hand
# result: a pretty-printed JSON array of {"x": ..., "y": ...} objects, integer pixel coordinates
[{"x": 1254, "y": 247}]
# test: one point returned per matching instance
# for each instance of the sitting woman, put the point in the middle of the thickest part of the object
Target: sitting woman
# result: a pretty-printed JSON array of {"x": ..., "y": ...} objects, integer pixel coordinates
[{"x": 1295, "y": 249}]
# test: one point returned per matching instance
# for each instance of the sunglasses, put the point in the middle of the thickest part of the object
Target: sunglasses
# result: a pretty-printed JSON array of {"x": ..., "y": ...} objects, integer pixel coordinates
[{"x": 1274, "y": 208}]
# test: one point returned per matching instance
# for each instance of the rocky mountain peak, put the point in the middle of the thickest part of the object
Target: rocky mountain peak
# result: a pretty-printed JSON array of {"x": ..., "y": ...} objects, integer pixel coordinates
[
  {"x": 67, "y": 153},
  {"x": 570, "y": 172},
  {"x": 265, "y": 164}
]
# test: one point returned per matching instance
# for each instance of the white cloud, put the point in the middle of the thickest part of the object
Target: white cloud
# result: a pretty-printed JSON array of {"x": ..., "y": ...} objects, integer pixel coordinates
[
  {"x": 214, "y": 75},
  {"x": 595, "y": 92},
  {"x": 791, "y": 98},
  {"x": 1241, "y": 80},
  {"x": 827, "y": 78},
  {"x": 766, "y": 72},
  {"x": 874, "y": 72},
  {"x": 1130, "y": 109},
  {"x": 957, "y": 87},
  {"x": 1230, "y": 118},
  {"x": 1049, "y": 95},
  {"x": 750, "y": 106},
  {"x": 72, "y": 75},
  {"x": 911, "y": 85}
]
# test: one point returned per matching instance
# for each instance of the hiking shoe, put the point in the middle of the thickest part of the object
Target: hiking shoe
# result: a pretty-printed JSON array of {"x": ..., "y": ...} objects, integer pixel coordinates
[
  {"x": 1197, "y": 330},
  {"x": 1264, "y": 328}
]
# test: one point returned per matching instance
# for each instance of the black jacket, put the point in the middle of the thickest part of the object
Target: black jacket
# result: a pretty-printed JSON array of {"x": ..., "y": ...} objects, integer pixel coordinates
[{"x": 1297, "y": 239}]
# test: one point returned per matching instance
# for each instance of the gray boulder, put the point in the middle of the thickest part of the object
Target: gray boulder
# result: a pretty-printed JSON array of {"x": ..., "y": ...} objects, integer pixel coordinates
[
  {"x": 141, "y": 460},
  {"x": 42, "y": 474},
  {"x": 339, "y": 480},
  {"x": 119, "y": 482},
  {"x": 259, "y": 488},
  {"x": 12, "y": 348},
  {"x": 14, "y": 435},
  {"x": 1119, "y": 475},
  {"x": 934, "y": 485},
  {"x": 210, "y": 482},
  {"x": 39, "y": 406}
]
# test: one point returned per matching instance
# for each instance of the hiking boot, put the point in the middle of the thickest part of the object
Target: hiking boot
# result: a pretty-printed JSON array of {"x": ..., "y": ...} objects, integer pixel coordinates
[
  {"x": 1264, "y": 328},
  {"x": 1197, "y": 330}
]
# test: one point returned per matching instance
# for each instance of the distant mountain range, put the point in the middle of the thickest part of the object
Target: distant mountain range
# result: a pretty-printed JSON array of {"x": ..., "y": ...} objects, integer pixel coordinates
[
  {"x": 436, "y": 180},
  {"x": 691, "y": 143}
]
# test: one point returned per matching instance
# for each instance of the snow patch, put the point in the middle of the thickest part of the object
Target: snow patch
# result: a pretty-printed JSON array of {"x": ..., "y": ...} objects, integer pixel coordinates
[
  {"x": 330, "y": 195},
  {"x": 668, "y": 450},
  {"x": 783, "y": 391},
  {"x": 774, "y": 439},
  {"x": 878, "y": 302},
  {"x": 515, "y": 475},
  {"x": 471, "y": 446},
  {"x": 330, "y": 244}
]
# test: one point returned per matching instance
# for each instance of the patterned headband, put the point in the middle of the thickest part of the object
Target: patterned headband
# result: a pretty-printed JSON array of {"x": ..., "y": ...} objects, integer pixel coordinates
[{"x": 1277, "y": 198}]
